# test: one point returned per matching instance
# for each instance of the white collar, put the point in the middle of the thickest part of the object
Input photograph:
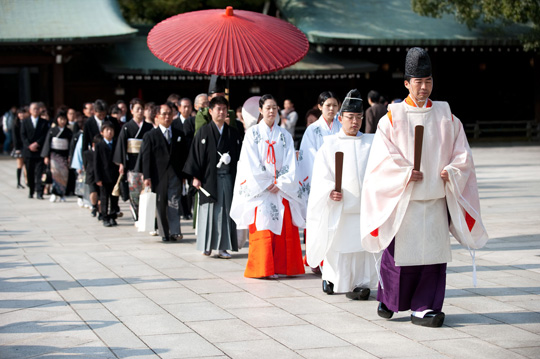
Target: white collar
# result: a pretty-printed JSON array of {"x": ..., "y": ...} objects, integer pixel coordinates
[{"x": 163, "y": 128}]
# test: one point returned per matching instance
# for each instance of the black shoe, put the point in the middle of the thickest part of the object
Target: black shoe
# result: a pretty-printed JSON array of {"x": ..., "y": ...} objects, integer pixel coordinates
[
  {"x": 176, "y": 237},
  {"x": 39, "y": 196},
  {"x": 359, "y": 294},
  {"x": 20, "y": 186},
  {"x": 165, "y": 239},
  {"x": 99, "y": 217},
  {"x": 107, "y": 223},
  {"x": 94, "y": 212},
  {"x": 112, "y": 221},
  {"x": 30, "y": 195},
  {"x": 327, "y": 287},
  {"x": 384, "y": 312},
  {"x": 431, "y": 319}
]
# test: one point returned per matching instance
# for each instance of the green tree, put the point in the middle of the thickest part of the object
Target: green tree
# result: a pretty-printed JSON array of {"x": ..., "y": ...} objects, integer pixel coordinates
[
  {"x": 498, "y": 13},
  {"x": 149, "y": 12}
]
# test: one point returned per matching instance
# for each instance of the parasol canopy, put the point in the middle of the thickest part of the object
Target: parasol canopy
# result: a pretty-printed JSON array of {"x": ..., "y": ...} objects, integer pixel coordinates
[{"x": 227, "y": 43}]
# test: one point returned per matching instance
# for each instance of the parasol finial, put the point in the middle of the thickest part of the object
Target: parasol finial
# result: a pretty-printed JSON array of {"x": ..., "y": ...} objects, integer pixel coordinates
[{"x": 229, "y": 11}]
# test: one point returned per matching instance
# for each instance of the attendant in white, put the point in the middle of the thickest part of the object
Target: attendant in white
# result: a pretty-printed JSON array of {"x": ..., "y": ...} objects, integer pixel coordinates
[
  {"x": 312, "y": 140},
  {"x": 408, "y": 213},
  {"x": 333, "y": 217},
  {"x": 267, "y": 197}
]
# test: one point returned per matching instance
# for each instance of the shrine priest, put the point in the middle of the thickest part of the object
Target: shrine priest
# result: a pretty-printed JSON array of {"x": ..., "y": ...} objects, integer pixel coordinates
[
  {"x": 333, "y": 216},
  {"x": 128, "y": 149},
  {"x": 407, "y": 212},
  {"x": 212, "y": 164}
]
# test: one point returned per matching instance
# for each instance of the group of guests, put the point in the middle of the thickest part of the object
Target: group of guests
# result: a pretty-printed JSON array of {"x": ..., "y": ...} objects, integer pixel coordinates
[{"x": 369, "y": 215}]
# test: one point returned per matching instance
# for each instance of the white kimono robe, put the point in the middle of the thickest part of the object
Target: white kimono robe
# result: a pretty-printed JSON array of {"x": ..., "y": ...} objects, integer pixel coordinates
[
  {"x": 256, "y": 171},
  {"x": 311, "y": 142},
  {"x": 416, "y": 213},
  {"x": 334, "y": 227}
]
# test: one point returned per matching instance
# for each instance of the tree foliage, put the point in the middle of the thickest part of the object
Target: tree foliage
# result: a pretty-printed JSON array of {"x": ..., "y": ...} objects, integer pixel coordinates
[
  {"x": 501, "y": 13},
  {"x": 149, "y": 12}
]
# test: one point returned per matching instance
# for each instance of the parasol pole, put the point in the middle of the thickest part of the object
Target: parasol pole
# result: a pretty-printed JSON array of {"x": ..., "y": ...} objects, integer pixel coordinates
[
  {"x": 418, "y": 139},
  {"x": 339, "y": 171},
  {"x": 227, "y": 92}
]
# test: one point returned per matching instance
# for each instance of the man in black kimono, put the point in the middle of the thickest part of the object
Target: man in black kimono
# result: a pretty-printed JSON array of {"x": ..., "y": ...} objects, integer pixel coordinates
[
  {"x": 212, "y": 164},
  {"x": 33, "y": 133},
  {"x": 163, "y": 156},
  {"x": 127, "y": 151}
]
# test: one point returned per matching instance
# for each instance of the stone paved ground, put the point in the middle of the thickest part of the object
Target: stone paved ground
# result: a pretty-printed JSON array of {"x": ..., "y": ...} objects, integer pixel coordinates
[{"x": 70, "y": 287}]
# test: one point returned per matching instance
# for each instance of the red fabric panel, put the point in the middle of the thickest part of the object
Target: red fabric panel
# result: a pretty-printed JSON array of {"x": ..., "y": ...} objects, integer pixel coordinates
[
  {"x": 470, "y": 221},
  {"x": 272, "y": 254}
]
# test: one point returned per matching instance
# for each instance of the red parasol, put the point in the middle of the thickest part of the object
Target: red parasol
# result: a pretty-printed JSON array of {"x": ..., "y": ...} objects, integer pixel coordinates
[{"x": 214, "y": 42}]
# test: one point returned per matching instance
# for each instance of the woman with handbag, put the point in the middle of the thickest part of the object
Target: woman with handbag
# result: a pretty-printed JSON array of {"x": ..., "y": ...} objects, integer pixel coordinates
[{"x": 55, "y": 153}]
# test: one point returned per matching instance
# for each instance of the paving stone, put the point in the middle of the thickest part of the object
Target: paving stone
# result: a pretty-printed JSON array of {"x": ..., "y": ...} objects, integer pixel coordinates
[
  {"x": 304, "y": 337},
  {"x": 228, "y": 330},
  {"x": 261, "y": 317},
  {"x": 189, "y": 312},
  {"x": 261, "y": 349},
  {"x": 188, "y": 345}
]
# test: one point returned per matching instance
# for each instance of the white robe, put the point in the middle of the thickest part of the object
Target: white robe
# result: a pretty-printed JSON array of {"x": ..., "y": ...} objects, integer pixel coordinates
[
  {"x": 311, "y": 142},
  {"x": 334, "y": 226},
  {"x": 415, "y": 213},
  {"x": 255, "y": 172}
]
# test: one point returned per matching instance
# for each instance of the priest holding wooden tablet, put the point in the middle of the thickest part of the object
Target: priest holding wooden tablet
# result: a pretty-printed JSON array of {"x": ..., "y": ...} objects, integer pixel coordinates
[
  {"x": 333, "y": 212},
  {"x": 409, "y": 211}
]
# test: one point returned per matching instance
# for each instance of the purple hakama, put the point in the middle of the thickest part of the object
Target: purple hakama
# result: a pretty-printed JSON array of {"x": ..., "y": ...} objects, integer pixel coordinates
[{"x": 411, "y": 287}]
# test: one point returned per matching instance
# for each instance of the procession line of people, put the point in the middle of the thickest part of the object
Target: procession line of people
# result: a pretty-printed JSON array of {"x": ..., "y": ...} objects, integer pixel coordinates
[{"x": 377, "y": 209}]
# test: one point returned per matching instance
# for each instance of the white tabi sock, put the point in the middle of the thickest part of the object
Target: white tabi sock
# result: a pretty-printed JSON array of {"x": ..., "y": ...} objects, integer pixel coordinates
[{"x": 422, "y": 313}]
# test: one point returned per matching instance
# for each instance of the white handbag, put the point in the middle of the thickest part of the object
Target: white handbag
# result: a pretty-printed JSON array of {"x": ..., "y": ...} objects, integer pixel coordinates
[{"x": 147, "y": 211}]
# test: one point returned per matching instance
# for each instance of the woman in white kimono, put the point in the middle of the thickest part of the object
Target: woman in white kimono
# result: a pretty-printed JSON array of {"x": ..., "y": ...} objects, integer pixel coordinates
[
  {"x": 333, "y": 218},
  {"x": 266, "y": 197},
  {"x": 326, "y": 125}
]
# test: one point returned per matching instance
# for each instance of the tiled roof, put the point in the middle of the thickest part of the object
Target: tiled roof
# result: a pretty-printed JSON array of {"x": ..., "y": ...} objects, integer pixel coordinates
[{"x": 61, "y": 21}]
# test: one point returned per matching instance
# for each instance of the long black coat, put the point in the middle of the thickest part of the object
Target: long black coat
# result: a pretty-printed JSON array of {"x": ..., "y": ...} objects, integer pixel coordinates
[
  {"x": 29, "y": 135},
  {"x": 203, "y": 156},
  {"x": 158, "y": 156}
]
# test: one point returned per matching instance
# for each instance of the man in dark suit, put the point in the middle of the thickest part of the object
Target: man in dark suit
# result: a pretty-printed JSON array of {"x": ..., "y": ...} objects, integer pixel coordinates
[
  {"x": 375, "y": 112},
  {"x": 186, "y": 122},
  {"x": 106, "y": 174},
  {"x": 92, "y": 126},
  {"x": 164, "y": 153},
  {"x": 33, "y": 133}
]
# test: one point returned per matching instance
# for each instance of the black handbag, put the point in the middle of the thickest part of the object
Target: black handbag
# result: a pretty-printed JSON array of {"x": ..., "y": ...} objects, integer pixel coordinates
[
  {"x": 46, "y": 177},
  {"x": 124, "y": 189}
]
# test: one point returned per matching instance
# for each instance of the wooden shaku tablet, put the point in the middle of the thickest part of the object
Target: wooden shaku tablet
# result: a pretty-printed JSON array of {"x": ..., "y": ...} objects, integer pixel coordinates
[
  {"x": 418, "y": 139},
  {"x": 339, "y": 170}
]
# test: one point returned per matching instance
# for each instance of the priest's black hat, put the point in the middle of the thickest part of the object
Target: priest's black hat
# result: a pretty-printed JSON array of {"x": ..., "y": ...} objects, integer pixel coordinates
[
  {"x": 353, "y": 102},
  {"x": 417, "y": 63},
  {"x": 217, "y": 85}
]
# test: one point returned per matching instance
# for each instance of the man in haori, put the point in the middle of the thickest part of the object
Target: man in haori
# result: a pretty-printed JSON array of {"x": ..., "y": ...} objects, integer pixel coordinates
[
  {"x": 266, "y": 198},
  {"x": 333, "y": 217},
  {"x": 212, "y": 162},
  {"x": 408, "y": 213}
]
